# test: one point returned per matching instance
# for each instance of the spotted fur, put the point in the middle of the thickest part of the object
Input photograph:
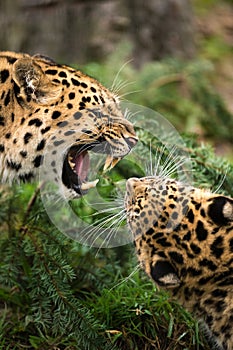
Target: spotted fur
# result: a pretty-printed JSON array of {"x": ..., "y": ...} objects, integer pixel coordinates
[
  {"x": 41, "y": 100},
  {"x": 184, "y": 242}
]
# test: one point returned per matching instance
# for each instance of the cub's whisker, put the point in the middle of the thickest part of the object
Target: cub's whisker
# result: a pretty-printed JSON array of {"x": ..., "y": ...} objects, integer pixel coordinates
[
  {"x": 102, "y": 226},
  {"x": 223, "y": 177},
  {"x": 126, "y": 279}
]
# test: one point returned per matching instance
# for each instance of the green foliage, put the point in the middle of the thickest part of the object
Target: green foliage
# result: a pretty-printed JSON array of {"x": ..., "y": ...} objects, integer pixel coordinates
[
  {"x": 137, "y": 317},
  {"x": 57, "y": 294}
]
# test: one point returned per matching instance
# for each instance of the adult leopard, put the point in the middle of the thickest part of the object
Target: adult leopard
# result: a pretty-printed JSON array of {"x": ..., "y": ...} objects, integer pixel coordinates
[
  {"x": 184, "y": 242},
  {"x": 42, "y": 101}
]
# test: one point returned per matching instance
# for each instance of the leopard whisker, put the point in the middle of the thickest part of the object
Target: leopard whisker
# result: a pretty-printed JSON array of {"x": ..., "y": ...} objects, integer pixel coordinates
[
  {"x": 126, "y": 279},
  {"x": 172, "y": 163},
  {"x": 106, "y": 210},
  {"x": 158, "y": 159},
  {"x": 110, "y": 221},
  {"x": 121, "y": 85},
  {"x": 128, "y": 114},
  {"x": 114, "y": 83},
  {"x": 128, "y": 93},
  {"x": 113, "y": 227},
  {"x": 172, "y": 168},
  {"x": 223, "y": 177},
  {"x": 154, "y": 162}
]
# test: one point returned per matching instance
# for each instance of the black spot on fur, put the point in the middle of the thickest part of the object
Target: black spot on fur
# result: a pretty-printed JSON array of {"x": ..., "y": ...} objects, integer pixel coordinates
[
  {"x": 201, "y": 232},
  {"x": 40, "y": 145},
  {"x": 8, "y": 135},
  {"x": 190, "y": 216},
  {"x": 75, "y": 82},
  {"x": 51, "y": 71},
  {"x": 77, "y": 115},
  {"x": 65, "y": 82},
  {"x": 11, "y": 60},
  {"x": 27, "y": 137},
  {"x": 150, "y": 231},
  {"x": 217, "y": 247},
  {"x": 2, "y": 121},
  {"x": 13, "y": 165},
  {"x": 4, "y": 75},
  {"x": 219, "y": 293},
  {"x": 62, "y": 124},
  {"x": 163, "y": 242},
  {"x": 37, "y": 161},
  {"x": 208, "y": 263},
  {"x": 195, "y": 248},
  {"x": 56, "y": 114},
  {"x": 69, "y": 132},
  {"x": 58, "y": 143},
  {"x": 71, "y": 95},
  {"x": 7, "y": 99},
  {"x": 177, "y": 257},
  {"x": 62, "y": 74},
  {"x": 43, "y": 131},
  {"x": 23, "y": 154},
  {"x": 37, "y": 122}
]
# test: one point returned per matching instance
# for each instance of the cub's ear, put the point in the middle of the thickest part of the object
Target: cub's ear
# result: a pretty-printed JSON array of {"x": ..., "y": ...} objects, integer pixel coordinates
[
  {"x": 33, "y": 82},
  {"x": 164, "y": 274},
  {"x": 221, "y": 210}
]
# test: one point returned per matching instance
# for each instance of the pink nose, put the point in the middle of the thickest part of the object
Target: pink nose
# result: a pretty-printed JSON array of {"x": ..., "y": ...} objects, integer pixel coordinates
[{"x": 131, "y": 141}]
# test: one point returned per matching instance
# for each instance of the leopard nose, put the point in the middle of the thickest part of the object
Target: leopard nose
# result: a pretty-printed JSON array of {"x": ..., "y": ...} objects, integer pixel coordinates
[{"x": 131, "y": 141}]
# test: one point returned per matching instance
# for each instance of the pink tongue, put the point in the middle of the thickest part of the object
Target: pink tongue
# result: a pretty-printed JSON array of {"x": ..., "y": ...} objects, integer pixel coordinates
[{"x": 82, "y": 164}]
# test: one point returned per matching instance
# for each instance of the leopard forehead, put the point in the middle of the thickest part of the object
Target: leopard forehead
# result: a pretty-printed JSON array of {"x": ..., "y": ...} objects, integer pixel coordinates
[
  {"x": 154, "y": 203},
  {"x": 182, "y": 222},
  {"x": 41, "y": 100}
]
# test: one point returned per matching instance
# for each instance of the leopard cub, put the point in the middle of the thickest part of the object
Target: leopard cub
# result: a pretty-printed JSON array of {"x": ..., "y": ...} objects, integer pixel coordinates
[{"x": 184, "y": 242}]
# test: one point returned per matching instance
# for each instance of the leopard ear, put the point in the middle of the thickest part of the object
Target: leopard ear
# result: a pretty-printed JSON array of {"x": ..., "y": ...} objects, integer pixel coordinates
[
  {"x": 33, "y": 82},
  {"x": 164, "y": 274},
  {"x": 221, "y": 210}
]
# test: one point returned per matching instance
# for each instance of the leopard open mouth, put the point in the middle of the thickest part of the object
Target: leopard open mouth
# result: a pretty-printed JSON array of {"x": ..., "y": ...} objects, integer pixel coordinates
[{"x": 76, "y": 167}]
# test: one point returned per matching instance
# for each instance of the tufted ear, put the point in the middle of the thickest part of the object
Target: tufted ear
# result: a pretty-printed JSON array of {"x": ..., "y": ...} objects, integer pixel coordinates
[
  {"x": 221, "y": 210},
  {"x": 164, "y": 274},
  {"x": 33, "y": 82}
]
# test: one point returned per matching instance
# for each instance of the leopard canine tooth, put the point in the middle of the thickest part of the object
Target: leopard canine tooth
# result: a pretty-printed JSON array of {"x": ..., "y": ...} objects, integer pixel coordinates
[
  {"x": 87, "y": 185},
  {"x": 110, "y": 163},
  {"x": 71, "y": 162}
]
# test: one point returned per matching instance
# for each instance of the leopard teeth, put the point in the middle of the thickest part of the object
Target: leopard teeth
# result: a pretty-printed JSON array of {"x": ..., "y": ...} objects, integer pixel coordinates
[
  {"x": 87, "y": 185},
  {"x": 72, "y": 164},
  {"x": 110, "y": 163}
]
